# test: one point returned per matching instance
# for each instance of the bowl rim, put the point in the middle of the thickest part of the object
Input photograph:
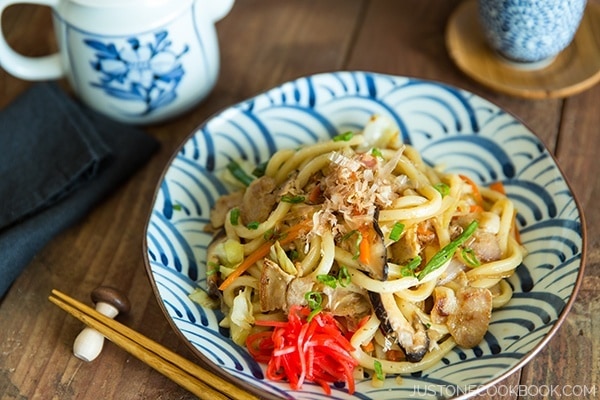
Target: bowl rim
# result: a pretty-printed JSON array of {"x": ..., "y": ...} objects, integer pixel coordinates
[{"x": 206, "y": 363}]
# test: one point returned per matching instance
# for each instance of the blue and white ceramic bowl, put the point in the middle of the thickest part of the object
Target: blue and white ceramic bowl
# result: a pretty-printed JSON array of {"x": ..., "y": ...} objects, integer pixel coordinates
[
  {"x": 530, "y": 31},
  {"x": 450, "y": 127}
]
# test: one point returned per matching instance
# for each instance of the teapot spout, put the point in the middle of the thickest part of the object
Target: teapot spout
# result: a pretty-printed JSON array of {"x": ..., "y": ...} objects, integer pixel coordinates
[{"x": 217, "y": 9}]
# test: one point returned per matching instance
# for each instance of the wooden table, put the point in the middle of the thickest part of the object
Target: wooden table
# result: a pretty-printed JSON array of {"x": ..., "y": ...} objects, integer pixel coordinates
[{"x": 265, "y": 43}]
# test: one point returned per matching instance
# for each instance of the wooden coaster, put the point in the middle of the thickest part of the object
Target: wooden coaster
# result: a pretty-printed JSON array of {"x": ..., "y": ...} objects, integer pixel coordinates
[{"x": 574, "y": 70}]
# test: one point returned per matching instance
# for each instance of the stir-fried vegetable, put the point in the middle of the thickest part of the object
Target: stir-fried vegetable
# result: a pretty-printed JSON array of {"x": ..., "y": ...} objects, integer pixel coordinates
[
  {"x": 396, "y": 231},
  {"x": 343, "y": 278},
  {"x": 475, "y": 193},
  {"x": 305, "y": 349},
  {"x": 234, "y": 216},
  {"x": 498, "y": 187},
  {"x": 445, "y": 254},
  {"x": 238, "y": 172},
  {"x": 443, "y": 188},
  {"x": 241, "y": 317},
  {"x": 409, "y": 269},
  {"x": 346, "y": 136},
  {"x": 286, "y": 237},
  {"x": 364, "y": 246}
]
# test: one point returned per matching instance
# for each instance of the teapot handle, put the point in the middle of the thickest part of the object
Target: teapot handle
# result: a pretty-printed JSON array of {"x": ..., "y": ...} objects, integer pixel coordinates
[
  {"x": 28, "y": 68},
  {"x": 218, "y": 9}
]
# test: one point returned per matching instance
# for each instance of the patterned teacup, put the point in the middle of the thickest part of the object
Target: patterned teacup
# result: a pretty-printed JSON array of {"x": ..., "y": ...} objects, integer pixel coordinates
[
  {"x": 530, "y": 33},
  {"x": 137, "y": 61}
]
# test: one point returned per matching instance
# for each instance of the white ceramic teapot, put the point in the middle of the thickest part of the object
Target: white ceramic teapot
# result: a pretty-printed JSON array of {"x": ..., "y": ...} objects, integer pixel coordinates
[{"x": 137, "y": 61}]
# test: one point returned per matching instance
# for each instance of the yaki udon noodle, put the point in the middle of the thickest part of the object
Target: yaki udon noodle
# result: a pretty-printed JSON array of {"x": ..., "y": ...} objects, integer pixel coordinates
[{"x": 408, "y": 260}]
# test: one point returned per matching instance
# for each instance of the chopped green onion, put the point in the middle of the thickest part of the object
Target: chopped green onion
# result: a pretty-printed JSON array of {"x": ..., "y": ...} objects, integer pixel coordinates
[
  {"x": 314, "y": 300},
  {"x": 269, "y": 234},
  {"x": 358, "y": 240},
  {"x": 375, "y": 152},
  {"x": 447, "y": 252},
  {"x": 414, "y": 263},
  {"x": 343, "y": 137},
  {"x": 213, "y": 268},
  {"x": 234, "y": 216},
  {"x": 407, "y": 272},
  {"x": 470, "y": 257},
  {"x": 378, "y": 370},
  {"x": 239, "y": 174},
  {"x": 292, "y": 199},
  {"x": 409, "y": 269},
  {"x": 344, "y": 277},
  {"x": 253, "y": 225},
  {"x": 260, "y": 169},
  {"x": 443, "y": 189},
  {"x": 328, "y": 280},
  {"x": 313, "y": 313},
  {"x": 177, "y": 207},
  {"x": 396, "y": 231},
  {"x": 349, "y": 234}
]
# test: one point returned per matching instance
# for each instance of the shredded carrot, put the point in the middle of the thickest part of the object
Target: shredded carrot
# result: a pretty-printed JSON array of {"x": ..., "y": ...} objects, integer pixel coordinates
[
  {"x": 497, "y": 187},
  {"x": 474, "y": 188},
  {"x": 395, "y": 355},
  {"x": 364, "y": 247},
  {"x": 369, "y": 347},
  {"x": 261, "y": 252},
  {"x": 425, "y": 229},
  {"x": 475, "y": 208}
]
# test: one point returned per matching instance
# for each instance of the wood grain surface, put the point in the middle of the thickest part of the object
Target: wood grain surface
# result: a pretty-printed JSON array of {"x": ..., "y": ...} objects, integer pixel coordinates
[{"x": 265, "y": 43}]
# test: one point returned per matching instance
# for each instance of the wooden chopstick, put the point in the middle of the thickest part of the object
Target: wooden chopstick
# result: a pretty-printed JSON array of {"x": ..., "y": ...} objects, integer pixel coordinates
[{"x": 192, "y": 377}]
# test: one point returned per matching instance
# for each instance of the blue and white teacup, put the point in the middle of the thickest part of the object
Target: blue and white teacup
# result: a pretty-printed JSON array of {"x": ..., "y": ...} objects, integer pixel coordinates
[
  {"x": 530, "y": 32},
  {"x": 137, "y": 61}
]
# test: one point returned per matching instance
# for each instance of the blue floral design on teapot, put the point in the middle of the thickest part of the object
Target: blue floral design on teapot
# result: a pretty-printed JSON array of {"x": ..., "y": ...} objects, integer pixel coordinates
[
  {"x": 131, "y": 62},
  {"x": 140, "y": 72}
]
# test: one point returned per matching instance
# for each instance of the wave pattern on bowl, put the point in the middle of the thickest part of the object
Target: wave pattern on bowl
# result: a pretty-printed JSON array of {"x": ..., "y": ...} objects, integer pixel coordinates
[{"x": 450, "y": 127}]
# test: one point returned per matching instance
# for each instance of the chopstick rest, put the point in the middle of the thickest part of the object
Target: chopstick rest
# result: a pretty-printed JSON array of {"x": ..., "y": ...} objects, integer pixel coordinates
[
  {"x": 201, "y": 382},
  {"x": 110, "y": 302}
]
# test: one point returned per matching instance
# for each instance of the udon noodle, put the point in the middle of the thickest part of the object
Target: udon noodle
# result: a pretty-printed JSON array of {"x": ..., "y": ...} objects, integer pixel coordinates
[{"x": 410, "y": 260}]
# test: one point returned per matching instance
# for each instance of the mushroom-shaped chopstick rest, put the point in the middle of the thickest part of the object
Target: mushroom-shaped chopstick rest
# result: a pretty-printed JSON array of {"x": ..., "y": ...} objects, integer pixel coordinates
[{"x": 110, "y": 302}]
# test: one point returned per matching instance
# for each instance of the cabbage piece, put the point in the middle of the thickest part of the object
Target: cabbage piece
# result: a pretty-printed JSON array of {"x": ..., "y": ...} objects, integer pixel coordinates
[
  {"x": 230, "y": 253},
  {"x": 278, "y": 254},
  {"x": 381, "y": 132},
  {"x": 201, "y": 297},
  {"x": 241, "y": 316}
]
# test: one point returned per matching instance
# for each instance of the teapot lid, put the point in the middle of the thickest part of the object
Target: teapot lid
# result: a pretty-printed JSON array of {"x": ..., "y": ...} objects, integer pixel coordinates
[
  {"x": 125, "y": 3},
  {"x": 120, "y": 17}
]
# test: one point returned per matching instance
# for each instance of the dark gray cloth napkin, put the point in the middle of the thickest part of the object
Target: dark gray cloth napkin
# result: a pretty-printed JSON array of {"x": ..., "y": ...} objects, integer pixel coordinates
[{"x": 58, "y": 159}]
